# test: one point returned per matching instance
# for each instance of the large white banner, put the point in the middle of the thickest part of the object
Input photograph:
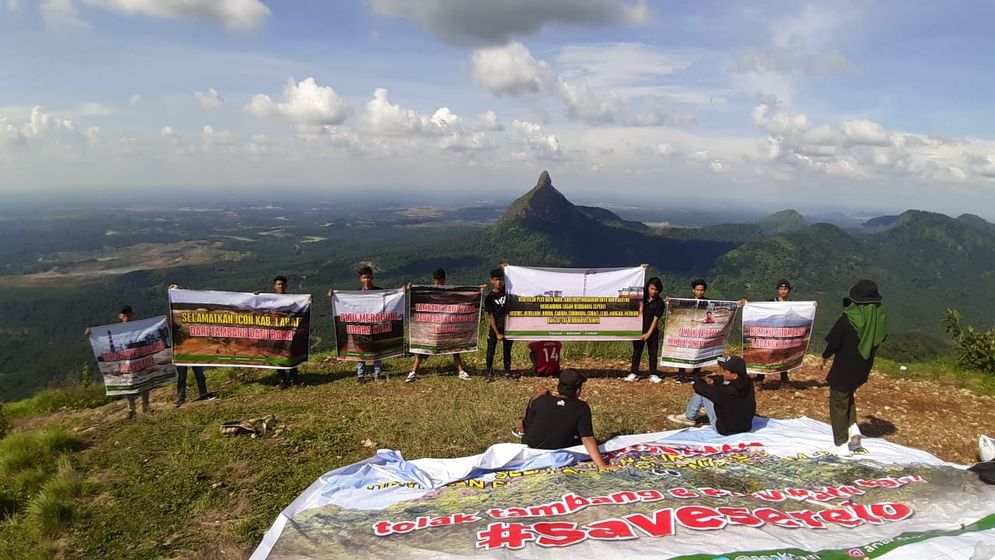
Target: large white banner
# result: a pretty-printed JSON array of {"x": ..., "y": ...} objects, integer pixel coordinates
[
  {"x": 776, "y": 334},
  {"x": 776, "y": 492},
  {"x": 574, "y": 303},
  {"x": 134, "y": 356}
]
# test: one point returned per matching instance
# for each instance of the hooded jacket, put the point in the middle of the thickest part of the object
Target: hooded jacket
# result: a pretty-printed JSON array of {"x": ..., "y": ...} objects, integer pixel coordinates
[{"x": 735, "y": 404}]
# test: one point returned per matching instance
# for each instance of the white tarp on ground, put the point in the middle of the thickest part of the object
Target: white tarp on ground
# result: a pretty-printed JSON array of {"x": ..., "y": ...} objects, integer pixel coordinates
[{"x": 776, "y": 492}]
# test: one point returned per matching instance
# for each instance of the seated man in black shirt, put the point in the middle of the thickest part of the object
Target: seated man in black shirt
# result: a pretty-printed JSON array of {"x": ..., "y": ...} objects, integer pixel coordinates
[
  {"x": 563, "y": 421},
  {"x": 728, "y": 399}
]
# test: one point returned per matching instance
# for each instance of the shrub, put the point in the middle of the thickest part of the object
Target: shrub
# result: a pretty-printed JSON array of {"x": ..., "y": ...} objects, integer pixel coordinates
[{"x": 976, "y": 349}]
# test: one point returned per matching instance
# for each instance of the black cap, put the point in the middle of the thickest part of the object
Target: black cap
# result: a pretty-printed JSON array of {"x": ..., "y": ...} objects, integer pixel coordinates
[
  {"x": 864, "y": 291},
  {"x": 783, "y": 284},
  {"x": 570, "y": 381},
  {"x": 734, "y": 364}
]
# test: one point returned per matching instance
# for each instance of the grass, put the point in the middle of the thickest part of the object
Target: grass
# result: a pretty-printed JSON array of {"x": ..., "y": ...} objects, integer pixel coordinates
[
  {"x": 942, "y": 370},
  {"x": 169, "y": 485},
  {"x": 72, "y": 396}
]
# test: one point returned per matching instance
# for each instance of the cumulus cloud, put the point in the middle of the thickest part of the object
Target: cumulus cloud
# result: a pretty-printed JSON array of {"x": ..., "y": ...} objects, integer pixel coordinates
[
  {"x": 305, "y": 102},
  {"x": 135, "y": 100},
  {"x": 61, "y": 15},
  {"x": 544, "y": 146},
  {"x": 209, "y": 99},
  {"x": 510, "y": 69},
  {"x": 385, "y": 118},
  {"x": 488, "y": 120},
  {"x": 870, "y": 133},
  {"x": 463, "y": 23},
  {"x": 236, "y": 14}
]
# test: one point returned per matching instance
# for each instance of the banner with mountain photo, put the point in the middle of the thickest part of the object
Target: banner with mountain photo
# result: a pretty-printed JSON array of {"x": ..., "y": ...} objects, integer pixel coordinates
[
  {"x": 134, "y": 356},
  {"x": 574, "y": 303},
  {"x": 779, "y": 491},
  {"x": 695, "y": 331},
  {"x": 369, "y": 324},
  {"x": 776, "y": 334},
  {"x": 443, "y": 319},
  {"x": 239, "y": 329}
]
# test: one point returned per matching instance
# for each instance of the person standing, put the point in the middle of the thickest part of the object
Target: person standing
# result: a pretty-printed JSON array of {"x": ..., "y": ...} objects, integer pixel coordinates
[
  {"x": 288, "y": 376},
  {"x": 125, "y": 315},
  {"x": 496, "y": 306},
  {"x": 198, "y": 375},
  {"x": 653, "y": 307},
  {"x": 852, "y": 342},
  {"x": 438, "y": 279},
  {"x": 698, "y": 287},
  {"x": 783, "y": 288}
]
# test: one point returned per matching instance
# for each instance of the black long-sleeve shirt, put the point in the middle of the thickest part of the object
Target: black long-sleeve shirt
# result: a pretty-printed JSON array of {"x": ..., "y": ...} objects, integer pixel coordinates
[
  {"x": 850, "y": 369},
  {"x": 735, "y": 404}
]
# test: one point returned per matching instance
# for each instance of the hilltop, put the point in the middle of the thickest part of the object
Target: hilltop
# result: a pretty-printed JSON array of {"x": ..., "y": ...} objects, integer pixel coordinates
[{"x": 168, "y": 485}]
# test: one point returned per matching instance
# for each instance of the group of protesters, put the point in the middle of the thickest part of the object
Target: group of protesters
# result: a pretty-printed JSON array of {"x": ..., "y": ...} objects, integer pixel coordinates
[{"x": 556, "y": 421}]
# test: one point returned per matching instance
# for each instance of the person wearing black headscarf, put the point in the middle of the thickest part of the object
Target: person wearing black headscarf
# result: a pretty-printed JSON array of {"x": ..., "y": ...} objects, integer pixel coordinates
[{"x": 853, "y": 342}]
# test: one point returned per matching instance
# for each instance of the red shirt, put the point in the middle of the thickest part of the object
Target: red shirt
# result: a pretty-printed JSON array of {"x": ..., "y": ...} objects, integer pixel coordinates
[{"x": 546, "y": 356}]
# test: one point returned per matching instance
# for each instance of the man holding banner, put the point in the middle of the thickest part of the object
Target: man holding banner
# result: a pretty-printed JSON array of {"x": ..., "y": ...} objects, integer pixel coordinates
[
  {"x": 368, "y": 323},
  {"x": 442, "y": 320}
]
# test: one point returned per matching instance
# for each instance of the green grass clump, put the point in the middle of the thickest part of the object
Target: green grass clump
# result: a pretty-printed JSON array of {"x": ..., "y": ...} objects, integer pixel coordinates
[
  {"x": 27, "y": 461},
  {"x": 55, "y": 502},
  {"x": 75, "y": 396}
]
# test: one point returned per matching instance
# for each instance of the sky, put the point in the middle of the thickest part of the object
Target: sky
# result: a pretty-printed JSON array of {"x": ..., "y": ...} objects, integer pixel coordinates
[{"x": 858, "y": 106}]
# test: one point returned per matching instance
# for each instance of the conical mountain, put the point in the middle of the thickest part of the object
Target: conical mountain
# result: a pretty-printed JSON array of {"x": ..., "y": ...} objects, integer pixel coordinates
[
  {"x": 546, "y": 206},
  {"x": 782, "y": 222}
]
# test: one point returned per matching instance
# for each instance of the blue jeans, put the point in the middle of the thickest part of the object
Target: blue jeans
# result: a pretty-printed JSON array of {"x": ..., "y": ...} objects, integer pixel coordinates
[
  {"x": 361, "y": 368},
  {"x": 181, "y": 382},
  {"x": 695, "y": 405}
]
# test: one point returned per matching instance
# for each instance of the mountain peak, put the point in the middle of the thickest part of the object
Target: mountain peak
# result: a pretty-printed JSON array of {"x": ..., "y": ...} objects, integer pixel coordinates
[
  {"x": 783, "y": 222},
  {"x": 543, "y": 203}
]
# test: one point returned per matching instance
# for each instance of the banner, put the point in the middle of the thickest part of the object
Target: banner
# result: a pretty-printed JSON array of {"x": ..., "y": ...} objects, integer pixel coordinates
[
  {"x": 443, "y": 319},
  {"x": 776, "y": 334},
  {"x": 369, "y": 324},
  {"x": 134, "y": 356},
  {"x": 240, "y": 329},
  {"x": 574, "y": 303},
  {"x": 695, "y": 331},
  {"x": 777, "y": 492}
]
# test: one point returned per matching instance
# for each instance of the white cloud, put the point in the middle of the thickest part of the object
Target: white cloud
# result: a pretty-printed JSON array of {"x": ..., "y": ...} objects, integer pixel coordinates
[
  {"x": 618, "y": 66},
  {"x": 13, "y": 5},
  {"x": 209, "y": 99},
  {"x": 509, "y": 70},
  {"x": 305, "y": 102},
  {"x": 236, "y": 14},
  {"x": 544, "y": 146},
  {"x": 860, "y": 131},
  {"x": 489, "y": 121},
  {"x": 447, "y": 129},
  {"x": 93, "y": 109},
  {"x": 471, "y": 23},
  {"x": 135, "y": 100}
]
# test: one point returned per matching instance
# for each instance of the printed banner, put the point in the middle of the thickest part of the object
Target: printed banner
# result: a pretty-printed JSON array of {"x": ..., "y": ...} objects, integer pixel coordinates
[
  {"x": 574, "y": 303},
  {"x": 776, "y": 334},
  {"x": 134, "y": 356},
  {"x": 369, "y": 324},
  {"x": 443, "y": 319},
  {"x": 695, "y": 331},
  {"x": 777, "y": 492},
  {"x": 240, "y": 329}
]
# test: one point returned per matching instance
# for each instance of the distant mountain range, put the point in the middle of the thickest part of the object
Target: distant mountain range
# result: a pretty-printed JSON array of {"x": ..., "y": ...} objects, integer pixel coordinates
[{"x": 924, "y": 262}]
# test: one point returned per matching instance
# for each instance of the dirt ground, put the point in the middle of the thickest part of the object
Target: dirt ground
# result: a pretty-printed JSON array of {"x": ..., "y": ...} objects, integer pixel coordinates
[{"x": 940, "y": 419}]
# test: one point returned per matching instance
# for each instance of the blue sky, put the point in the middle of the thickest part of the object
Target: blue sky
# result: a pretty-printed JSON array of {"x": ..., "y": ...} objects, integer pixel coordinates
[{"x": 883, "y": 105}]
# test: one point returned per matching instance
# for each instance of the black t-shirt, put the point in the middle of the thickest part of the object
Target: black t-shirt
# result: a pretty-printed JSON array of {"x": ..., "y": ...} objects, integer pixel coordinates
[
  {"x": 496, "y": 304},
  {"x": 556, "y": 422},
  {"x": 652, "y": 309}
]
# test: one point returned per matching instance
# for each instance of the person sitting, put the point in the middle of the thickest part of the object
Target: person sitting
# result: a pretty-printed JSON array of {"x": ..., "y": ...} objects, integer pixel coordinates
[
  {"x": 562, "y": 421},
  {"x": 545, "y": 356},
  {"x": 728, "y": 399}
]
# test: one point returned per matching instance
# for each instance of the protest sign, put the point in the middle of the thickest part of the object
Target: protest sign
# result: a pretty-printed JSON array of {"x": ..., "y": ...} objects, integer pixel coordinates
[
  {"x": 369, "y": 324},
  {"x": 574, "y": 303},
  {"x": 134, "y": 356},
  {"x": 695, "y": 331},
  {"x": 776, "y": 334},
  {"x": 443, "y": 319},
  {"x": 239, "y": 329},
  {"x": 779, "y": 491}
]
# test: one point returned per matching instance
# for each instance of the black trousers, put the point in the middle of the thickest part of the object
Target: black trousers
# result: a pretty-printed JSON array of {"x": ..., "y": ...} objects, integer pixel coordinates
[
  {"x": 287, "y": 375},
  {"x": 652, "y": 344},
  {"x": 492, "y": 341}
]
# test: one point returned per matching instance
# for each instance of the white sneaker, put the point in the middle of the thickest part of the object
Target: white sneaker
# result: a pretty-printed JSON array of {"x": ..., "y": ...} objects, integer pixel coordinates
[
  {"x": 681, "y": 419},
  {"x": 463, "y": 374},
  {"x": 655, "y": 378},
  {"x": 411, "y": 377},
  {"x": 986, "y": 448},
  {"x": 631, "y": 377},
  {"x": 843, "y": 450}
]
